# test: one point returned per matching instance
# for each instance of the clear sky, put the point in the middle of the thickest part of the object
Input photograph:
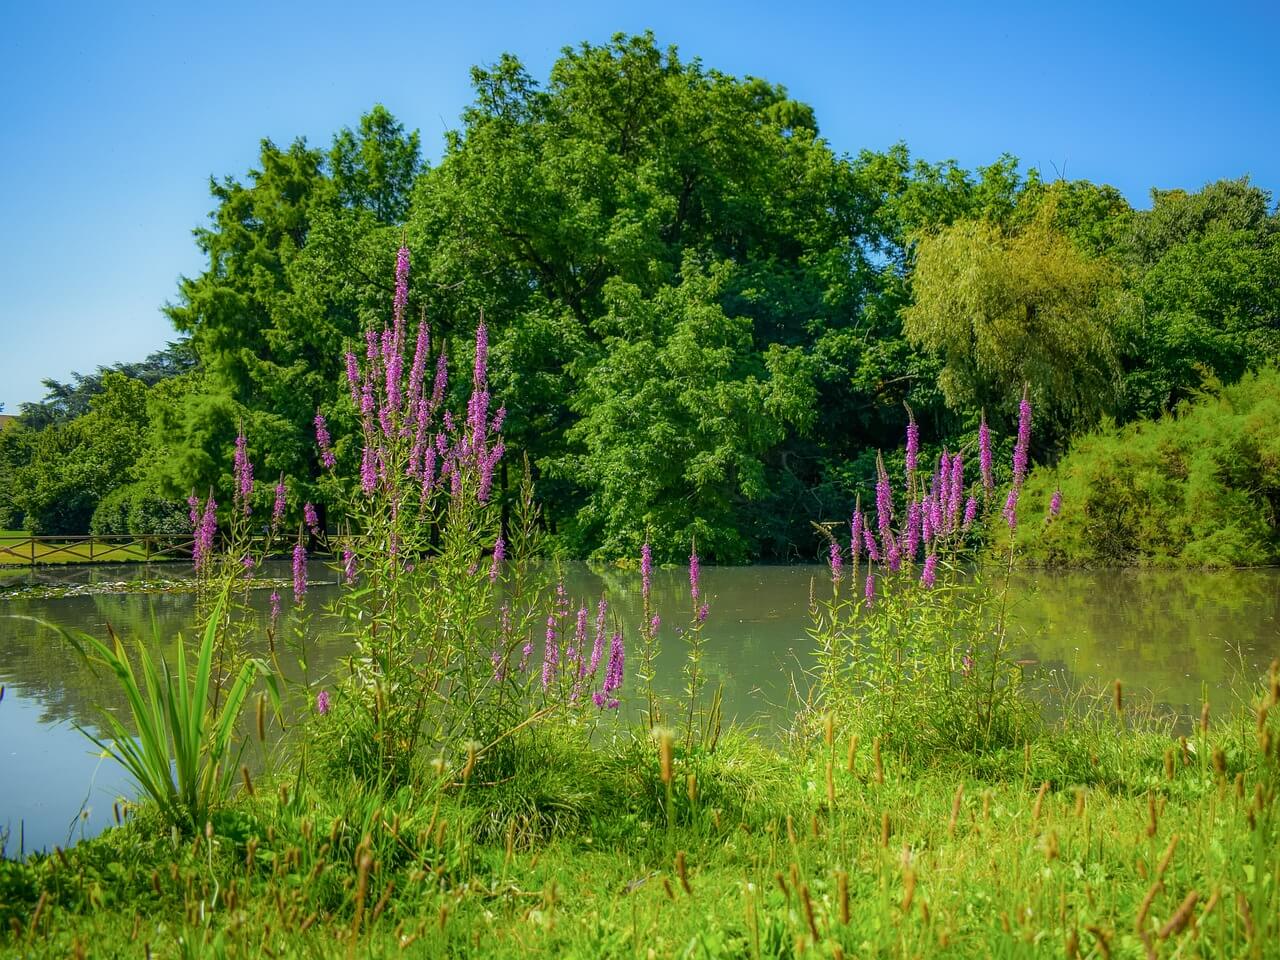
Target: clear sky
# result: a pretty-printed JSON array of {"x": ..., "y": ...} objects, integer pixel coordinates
[{"x": 113, "y": 116}]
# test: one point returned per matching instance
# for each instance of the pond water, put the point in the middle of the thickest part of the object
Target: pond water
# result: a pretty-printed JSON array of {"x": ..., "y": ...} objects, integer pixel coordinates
[{"x": 1172, "y": 636}]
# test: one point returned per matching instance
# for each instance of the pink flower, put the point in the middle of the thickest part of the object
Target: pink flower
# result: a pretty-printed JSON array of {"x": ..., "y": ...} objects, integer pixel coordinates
[{"x": 322, "y": 703}]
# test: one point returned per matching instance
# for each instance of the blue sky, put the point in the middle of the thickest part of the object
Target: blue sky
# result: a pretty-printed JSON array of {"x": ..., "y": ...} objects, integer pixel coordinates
[{"x": 113, "y": 116}]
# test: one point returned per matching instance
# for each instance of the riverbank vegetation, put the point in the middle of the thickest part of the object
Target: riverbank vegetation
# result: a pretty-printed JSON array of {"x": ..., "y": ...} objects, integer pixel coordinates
[
  {"x": 493, "y": 770},
  {"x": 705, "y": 318}
]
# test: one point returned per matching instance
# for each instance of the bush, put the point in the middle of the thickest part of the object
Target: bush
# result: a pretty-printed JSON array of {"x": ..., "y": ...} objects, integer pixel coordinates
[
  {"x": 1200, "y": 488},
  {"x": 137, "y": 508}
]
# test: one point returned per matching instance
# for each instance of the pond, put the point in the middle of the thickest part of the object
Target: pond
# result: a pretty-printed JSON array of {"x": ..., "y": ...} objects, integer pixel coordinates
[{"x": 1173, "y": 636}]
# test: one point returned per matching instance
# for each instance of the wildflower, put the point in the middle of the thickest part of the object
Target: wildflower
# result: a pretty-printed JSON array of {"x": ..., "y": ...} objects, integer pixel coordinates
[
  {"x": 597, "y": 649},
  {"x": 368, "y": 471},
  {"x": 869, "y": 541},
  {"x": 702, "y": 613},
  {"x": 440, "y": 382},
  {"x": 612, "y": 674},
  {"x": 966, "y": 663},
  {"x": 1010, "y": 512},
  {"x": 353, "y": 378},
  {"x": 275, "y": 608},
  {"x": 499, "y": 554},
  {"x": 322, "y": 703},
  {"x": 646, "y": 569},
  {"x": 418, "y": 370},
  {"x": 929, "y": 575},
  {"x": 654, "y": 623},
  {"x": 970, "y": 512},
  {"x": 202, "y": 549},
  {"x": 870, "y": 591},
  {"x": 348, "y": 565},
  {"x": 277, "y": 508},
  {"x": 193, "y": 504},
  {"x": 884, "y": 502},
  {"x": 299, "y": 572},
  {"x": 1055, "y": 503},
  {"x": 247, "y": 563},
  {"x": 550, "y": 652},
  {"x": 243, "y": 474},
  {"x": 324, "y": 443},
  {"x": 913, "y": 445},
  {"x": 984, "y": 456},
  {"x": 956, "y": 493},
  {"x": 1023, "y": 442},
  {"x": 855, "y": 534},
  {"x": 577, "y": 652},
  {"x": 914, "y": 522},
  {"x": 311, "y": 518},
  {"x": 694, "y": 574},
  {"x": 835, "y": 561}
]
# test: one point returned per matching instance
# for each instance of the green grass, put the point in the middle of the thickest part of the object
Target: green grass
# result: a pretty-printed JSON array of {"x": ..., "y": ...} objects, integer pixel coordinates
[{"x": 1015, "y": 853}]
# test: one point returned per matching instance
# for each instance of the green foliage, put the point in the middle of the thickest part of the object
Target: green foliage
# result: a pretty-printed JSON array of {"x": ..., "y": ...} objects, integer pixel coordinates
[
  {"x": 179, "y": 751},
  {"x": 1197, "y": 488}
]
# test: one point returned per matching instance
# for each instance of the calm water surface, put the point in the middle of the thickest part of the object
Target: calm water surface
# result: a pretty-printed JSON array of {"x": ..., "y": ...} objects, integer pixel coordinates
[{"x": 1168, "y": 634}]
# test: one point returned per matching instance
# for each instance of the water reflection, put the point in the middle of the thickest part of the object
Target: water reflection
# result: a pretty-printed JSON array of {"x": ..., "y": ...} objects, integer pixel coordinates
[{"x": 1167, "y": 633}]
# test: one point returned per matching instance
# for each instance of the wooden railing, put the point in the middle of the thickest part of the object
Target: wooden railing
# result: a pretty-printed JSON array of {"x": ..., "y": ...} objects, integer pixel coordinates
[{"x": 143, "y": 548}]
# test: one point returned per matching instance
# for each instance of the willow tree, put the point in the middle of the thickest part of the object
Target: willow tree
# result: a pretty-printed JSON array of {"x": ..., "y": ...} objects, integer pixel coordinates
[{"x": 1001, "y": 308}]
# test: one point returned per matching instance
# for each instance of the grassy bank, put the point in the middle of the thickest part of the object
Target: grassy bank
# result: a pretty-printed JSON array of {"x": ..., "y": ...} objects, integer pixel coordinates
[{"x": 1104, "y": 837}]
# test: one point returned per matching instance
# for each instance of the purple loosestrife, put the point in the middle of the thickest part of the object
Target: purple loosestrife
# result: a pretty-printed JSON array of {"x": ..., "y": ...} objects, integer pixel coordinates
[
  {"x": 1055, "y": 503},
  {"x": 353, "y": 378},
  {"x": 243, "y": 475},
  {"x": 275, "y": 608},
  {"x": 884, "y": 503},
  {"x": 612, "y": 675},
  {"x": 869, "y": 541},
  {"x": 870, "y": 591},
  {"x": 368, "y": 471},
  {"x": 1023, "y": 444},
  {"x": 984, "y": 456},
  {"x": 202, "y": 550},
  {"x": 597, "y": 648},
  {"x": 193, "y": 511},
  {"x": 311, "y": 518},
  {"x": 577, "y": 653},
  {"x": 913, "y": 446},
  {"x": 703, "y": 611},
  {"x": 646, "y": 570},
  {"x": 695, "y": 574},
  {"x": 1010, "y": 511},
  {"x": 277, "y": 508},
  {"x": 915, "y": 516},
  {"x": 324, "y": 443},
  {"x": 550, "y": 652},
  {"x": 418, "y": 371},
  {"x": 299, "y": 572},
  {"x": 956, "y": 493},
  {"x": 499, "y": 554},
  {"x": 855, "y": 533},
  {"x": 970, "y": 513},
  {"x": 929, "y": 574},
  {"x": 322, "y": 703},
  {"x": 835, "y": 561},
  {"x": 349, "y": 565},
  {"x": 654, "y": 623}
]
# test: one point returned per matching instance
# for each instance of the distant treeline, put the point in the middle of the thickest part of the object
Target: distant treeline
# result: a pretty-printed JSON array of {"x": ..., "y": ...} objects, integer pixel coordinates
[{"x": 705, "y": 321}]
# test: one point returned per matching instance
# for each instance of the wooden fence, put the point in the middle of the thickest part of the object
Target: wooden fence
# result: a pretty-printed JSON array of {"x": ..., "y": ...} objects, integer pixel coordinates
[{"x": 29, "y": 551}]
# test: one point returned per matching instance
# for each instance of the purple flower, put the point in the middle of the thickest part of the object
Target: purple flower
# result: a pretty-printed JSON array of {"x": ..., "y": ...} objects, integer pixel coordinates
[
  {"x": 323, "y": 442},
  {"x": 914, "y": 520},
  {"x": 1023, "y": 443},
  {"x": 202, "y": 548},
  {"x": 694, "y": 574},
  {"x": 646, "y": 569},
  {"x": 243, "y": 474},
  {"x": 1055, "y": 503},
  {"x": 913, "y": 445},
  {"x": 884, "y": 503},
  {"x": 193, "y": 503},
  {"x": 869, "y": 541},
  {"x": 970, "y": 512},
  {"x": 299, "y": 572},
  {"x": 322, "y": 702},
  {"x": 984, "y": 455},
  {"x": 277, "y": 508},
  {"x": 966, "y": 663},
  {"x": 499, "y": 554},
  {"x": 1010, "y": 511},
  {"x": 402, "y": 284},
  {"x": 654, "y": 623},
  {"x": 419, "y": 369},
  {"x": 368, "y": 471},
  {"x": 835, "y": 561},
  {"x": 275, "y": 608},
  {"x": 613, "y": 672},
  {"x": 247, "y": 563},
  {"x": 956, "y": 493},
  {"x": 870, "y": 591},
  {"x": 480, "y": 373},
  {"x": 348, "y": 565},
  {"x": 702, "y": 613},
  {"x": 311, "y": 518},
  {"x": 856, "y": 527},
  {"x": 550, "y": 652},
  {"x": 597, "y": 649},
  {"x": 929, "y": 575},
  {"x": 353, "y": 378}
]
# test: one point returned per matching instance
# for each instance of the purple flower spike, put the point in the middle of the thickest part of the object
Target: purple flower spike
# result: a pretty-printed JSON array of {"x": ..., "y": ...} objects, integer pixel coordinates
[
  {"x": 870, "y": 592},
  {"x": 277, "y": 508},
  {"x": 929, "y": 575},
  {"x": 499, "y": 554},
  {"x": 646, "y": 569},
  {"x": 311, "y": 518},
  {"x": 1023, "y": 444},
  {"x": 1055, "y": 503},
  {"x": 349, "y": 565},
  {"x": 324, "y": 443},
  {"x": 984, "y": 456},
  {"x": 913, "y": 445},
  {"x": 884, "y": 502},
  {"x": 243, "y": 475},
  {"x": 695, "y": 574},
  {"x": 855, "y": 535},
  {"x": 1010, "y": 511},
  {"x": 299, "y": 573},
  {"x": 550, "y": 652},
  {"x": 836, "y": 561},
  {"x": 275, "y": 608},
  {"x": 970, "y": 512},
  {"x": 869, "y": 541},
  {"x": 322, "y": 703}
]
